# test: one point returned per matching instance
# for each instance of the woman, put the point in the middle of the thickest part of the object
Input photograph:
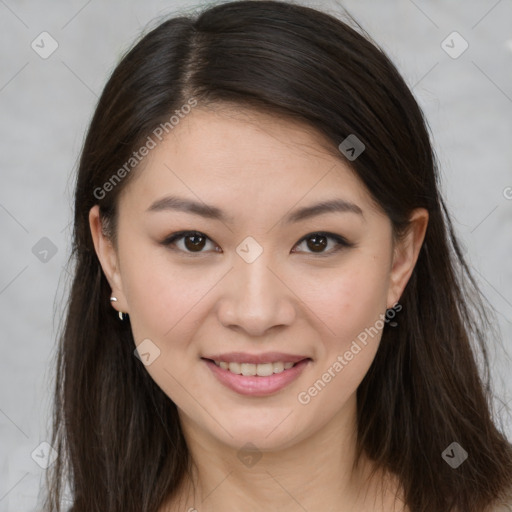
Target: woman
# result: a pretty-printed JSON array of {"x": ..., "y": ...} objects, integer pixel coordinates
[{"x": 270, "y": 308}]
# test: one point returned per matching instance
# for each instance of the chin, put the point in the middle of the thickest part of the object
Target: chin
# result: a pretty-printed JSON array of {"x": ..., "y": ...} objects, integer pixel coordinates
[{"x": 264, "y": 436}]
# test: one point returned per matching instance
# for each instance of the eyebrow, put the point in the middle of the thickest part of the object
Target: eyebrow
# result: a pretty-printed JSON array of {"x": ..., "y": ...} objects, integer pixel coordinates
[{"x": 212, "y": 212}]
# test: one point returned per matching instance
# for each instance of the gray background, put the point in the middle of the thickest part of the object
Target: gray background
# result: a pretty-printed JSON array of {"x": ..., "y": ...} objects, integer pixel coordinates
[{"x": 46, "y": 105}]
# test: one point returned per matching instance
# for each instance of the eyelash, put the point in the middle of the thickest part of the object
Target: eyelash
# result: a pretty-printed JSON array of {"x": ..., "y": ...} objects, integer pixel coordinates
[{"x": 340, "y": 241}]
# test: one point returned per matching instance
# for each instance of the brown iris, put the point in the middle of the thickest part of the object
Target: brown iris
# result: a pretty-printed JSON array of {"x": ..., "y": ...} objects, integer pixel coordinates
[
  {"x": 197, "y": 242},
  {"x": 319, "y": 242}
]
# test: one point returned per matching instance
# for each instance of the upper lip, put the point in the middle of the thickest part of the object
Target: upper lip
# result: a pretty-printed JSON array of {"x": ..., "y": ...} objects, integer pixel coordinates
[{"x": 266, "y": 357}]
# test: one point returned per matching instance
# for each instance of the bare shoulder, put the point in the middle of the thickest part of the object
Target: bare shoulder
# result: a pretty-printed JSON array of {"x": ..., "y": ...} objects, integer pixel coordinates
[
  {"x": 180, "y": 502},
  {"x": 505, "y": 505}
]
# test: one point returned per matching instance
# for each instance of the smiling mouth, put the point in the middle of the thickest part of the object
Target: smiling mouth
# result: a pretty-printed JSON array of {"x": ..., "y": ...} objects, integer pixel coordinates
[
  {"x": 255, "y": 370},
  {"x": 257, "y": 379}
]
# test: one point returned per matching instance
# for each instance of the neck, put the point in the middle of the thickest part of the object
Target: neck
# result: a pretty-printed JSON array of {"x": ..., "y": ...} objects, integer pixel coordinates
[{"x": 316, "y": 473}]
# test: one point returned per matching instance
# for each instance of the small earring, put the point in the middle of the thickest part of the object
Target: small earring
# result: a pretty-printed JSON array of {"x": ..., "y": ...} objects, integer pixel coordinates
[
  {"x": 391, "y": 323},
  {"x": 121, "y": 314}
]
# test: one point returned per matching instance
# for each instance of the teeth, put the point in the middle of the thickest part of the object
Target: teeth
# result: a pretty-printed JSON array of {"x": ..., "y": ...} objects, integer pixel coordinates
[
  {"x": 278, "y": 367},
  {"x": 249, "y": 369}
]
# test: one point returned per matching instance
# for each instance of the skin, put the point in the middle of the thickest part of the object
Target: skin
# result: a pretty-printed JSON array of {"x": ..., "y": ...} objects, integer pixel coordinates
[{"x": 258, "y": 168}]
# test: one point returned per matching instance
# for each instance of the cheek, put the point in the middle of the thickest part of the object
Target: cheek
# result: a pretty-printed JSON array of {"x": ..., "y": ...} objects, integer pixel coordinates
[
  {"x": 162, "y": 302},
  {"x": 161, "y": 295},
  {"x": 346, "y": 300},
  {"x": 165, "y": 304},
  {"x": 350, "y": 306}
]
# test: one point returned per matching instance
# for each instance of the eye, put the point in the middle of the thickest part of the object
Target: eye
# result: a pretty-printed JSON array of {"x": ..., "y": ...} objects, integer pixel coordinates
[
  {"x": 317, "y": 242},
  {"x": 193, "y": 241}
]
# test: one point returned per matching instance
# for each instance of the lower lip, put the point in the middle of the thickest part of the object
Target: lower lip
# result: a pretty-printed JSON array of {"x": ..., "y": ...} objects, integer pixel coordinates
[{"x": 255, "y": 385}]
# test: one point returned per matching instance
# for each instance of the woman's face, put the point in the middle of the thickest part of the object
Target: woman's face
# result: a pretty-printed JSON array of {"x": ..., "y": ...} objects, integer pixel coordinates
[{"x": 260, "y": 276}]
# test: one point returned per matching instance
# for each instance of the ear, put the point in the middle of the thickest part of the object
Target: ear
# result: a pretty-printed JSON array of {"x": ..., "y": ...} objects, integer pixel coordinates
[
  {"x": 406, "y": 254},
  {"x": 108, "y": 257}
]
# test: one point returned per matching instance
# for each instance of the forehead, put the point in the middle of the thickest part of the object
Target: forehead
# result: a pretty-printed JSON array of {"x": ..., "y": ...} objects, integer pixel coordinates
[
  {"x": 251, "y": 129},
  {"x": 244, "y": 156}
]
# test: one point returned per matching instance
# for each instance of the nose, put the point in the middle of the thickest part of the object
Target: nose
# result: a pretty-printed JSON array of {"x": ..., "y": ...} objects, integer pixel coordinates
[{"x": 255, "y": 298}]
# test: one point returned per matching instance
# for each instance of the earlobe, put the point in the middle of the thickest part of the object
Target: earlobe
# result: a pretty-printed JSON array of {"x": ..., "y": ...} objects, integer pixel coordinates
[
  {"x": 107, "y": 256},
  {"x": 406, "y": 254}
]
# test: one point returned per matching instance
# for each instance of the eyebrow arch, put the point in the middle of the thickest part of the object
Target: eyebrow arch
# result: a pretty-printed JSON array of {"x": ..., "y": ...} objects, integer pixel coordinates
[
  {"x": 187, "y": 205},
  {"x": 332, "y": 206},
  {"x": 212, "y": 212}
]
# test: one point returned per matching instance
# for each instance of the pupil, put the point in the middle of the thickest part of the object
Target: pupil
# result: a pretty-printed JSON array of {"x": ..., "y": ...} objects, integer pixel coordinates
[
  {"x": 197, "y": 244},
  {"x": 319, "y": 244}
]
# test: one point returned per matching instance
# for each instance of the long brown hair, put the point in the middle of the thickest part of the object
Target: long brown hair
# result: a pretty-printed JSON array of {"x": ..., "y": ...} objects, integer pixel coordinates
[{"x": 118, "y": 437}]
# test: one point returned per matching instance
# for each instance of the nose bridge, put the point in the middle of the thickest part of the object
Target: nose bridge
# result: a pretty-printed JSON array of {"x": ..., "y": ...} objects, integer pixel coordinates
[
  {"x": 252, "y": 268},
  {"x": 256, "y": 279},
  {"x": 256, "y": 299}
]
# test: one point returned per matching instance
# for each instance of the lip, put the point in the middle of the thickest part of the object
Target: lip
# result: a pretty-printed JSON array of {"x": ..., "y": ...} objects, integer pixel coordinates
[
  {"x": 256, "y": 385},
  {"x": 266, "y": 357}
]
